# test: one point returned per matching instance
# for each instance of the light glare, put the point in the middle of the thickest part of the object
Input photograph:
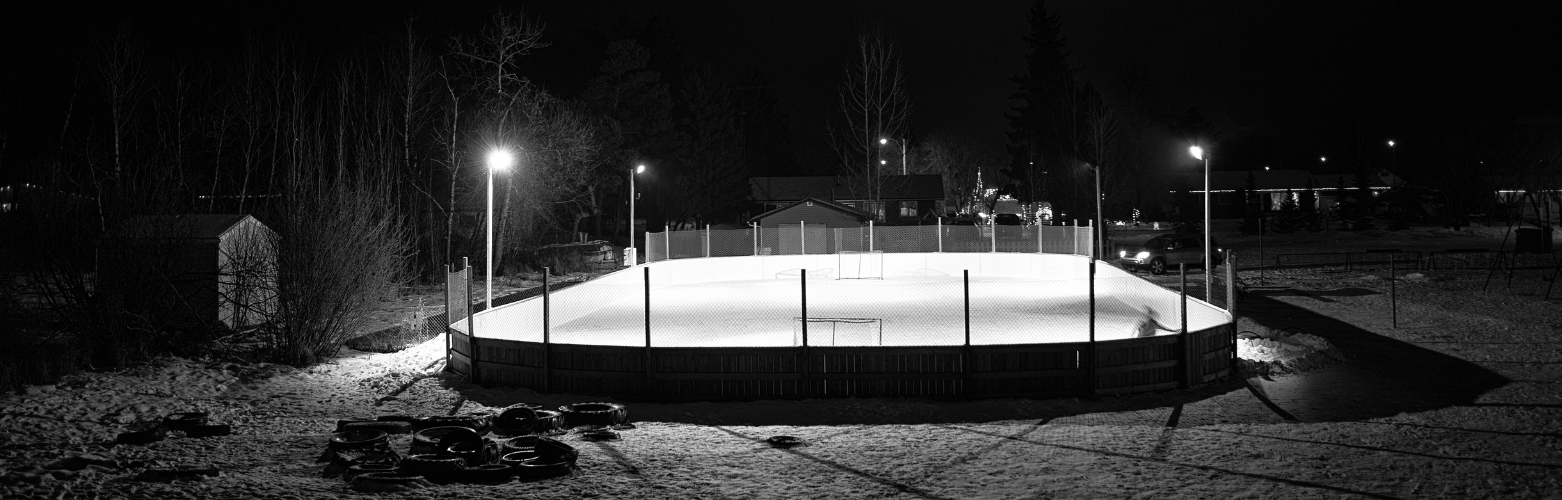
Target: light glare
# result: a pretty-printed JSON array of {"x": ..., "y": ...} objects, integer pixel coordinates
[
  {"x": 640, "y": 169},
  {"x": 1198, "y": 152},
  {"x": 500, "y": 159}
]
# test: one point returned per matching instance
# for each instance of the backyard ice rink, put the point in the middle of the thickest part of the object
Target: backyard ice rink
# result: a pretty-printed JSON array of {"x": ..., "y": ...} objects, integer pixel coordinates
[{"x": 706, "y": 303}]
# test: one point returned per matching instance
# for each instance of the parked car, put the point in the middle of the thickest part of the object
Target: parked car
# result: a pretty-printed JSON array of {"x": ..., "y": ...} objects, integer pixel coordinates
[
  {"x": 1008, "y": 220},
  {"x": 1168, "y": 250}
]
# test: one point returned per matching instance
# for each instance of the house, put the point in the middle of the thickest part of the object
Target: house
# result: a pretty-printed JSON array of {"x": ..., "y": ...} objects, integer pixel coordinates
[
  {"x": 810, "y": 224},
  {"x": 190, "y": 271},
  {"x": 1271, "y": 187},
  {"x": 894, "y": 199}
]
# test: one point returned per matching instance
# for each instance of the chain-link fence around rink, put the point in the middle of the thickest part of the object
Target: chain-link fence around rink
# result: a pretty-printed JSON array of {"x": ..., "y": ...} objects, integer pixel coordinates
[
  {"x": 803, "y": 238},
  {"x": 914, "y": 300}
]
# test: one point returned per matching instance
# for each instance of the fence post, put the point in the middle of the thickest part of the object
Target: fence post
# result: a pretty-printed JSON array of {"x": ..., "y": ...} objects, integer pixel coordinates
[
  {"x": 802, "y": 237},
  {"x": 707, "y": 240},
  {"x": 992, "y": 234},
  {"x": 646, "y": 382},
  {"x": 667, "y": 242},
  {"x": 965, "y": 354},
  {"x": 471, "y": 322},
  {"x": 1231, "y": 284},
  {"x": 803, "y": 363},
  {"x": 447, "y": 317},
  {"x": 940, "y": 234},
  {"x": 756, "y": 238},
  {"x": 1182, "y": 339},
  {"x": 1090, "y": 370},
  {"x": 547, "y": 340},
  {"x": 870, "y": 235}
]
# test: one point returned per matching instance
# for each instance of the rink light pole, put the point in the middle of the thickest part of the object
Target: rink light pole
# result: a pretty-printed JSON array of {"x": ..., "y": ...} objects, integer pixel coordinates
[
  {"x": 1209, "y": 280},
  {"x": 498, "y": 159},
  {"x": 637, "y": 170}
]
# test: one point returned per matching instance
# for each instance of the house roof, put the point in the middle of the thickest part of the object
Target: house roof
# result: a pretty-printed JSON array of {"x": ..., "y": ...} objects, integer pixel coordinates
[
  {"x": 858, "y": 214},
  {"x": 189, "y": 226},
  {"x": 1281, "y": 180},
  {"x": 894, "y": 187}
]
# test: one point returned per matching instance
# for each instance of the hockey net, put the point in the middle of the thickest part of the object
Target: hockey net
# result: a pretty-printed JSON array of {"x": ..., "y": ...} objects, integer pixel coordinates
[
  {"x": 839, "y": 331},
  {"x": 860, "y": 264}
]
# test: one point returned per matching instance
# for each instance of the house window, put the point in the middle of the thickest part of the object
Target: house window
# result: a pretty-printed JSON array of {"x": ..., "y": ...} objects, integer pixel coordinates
[{"x": 908, "y": 209}]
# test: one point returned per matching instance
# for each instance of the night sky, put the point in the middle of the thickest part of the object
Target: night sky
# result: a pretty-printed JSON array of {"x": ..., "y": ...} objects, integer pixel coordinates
[{"x": 1313, "y": 76}]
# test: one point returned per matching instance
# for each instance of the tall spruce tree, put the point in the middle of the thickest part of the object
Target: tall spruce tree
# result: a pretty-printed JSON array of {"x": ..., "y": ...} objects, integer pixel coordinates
[
  {"x": 1309, "y": 208},
  {"x": 1040, "y": 137},
  {"x": 1290, "y": 218}
]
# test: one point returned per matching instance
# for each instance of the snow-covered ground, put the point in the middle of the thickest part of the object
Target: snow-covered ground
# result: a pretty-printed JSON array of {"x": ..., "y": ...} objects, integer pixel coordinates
[{"x": 1460, "y": 401}]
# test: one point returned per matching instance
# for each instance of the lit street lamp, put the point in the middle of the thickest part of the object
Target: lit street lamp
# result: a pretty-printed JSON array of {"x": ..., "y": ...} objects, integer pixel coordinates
[
  {"x": 1393, "y": 157},
  {"x": 902, "y": 144},
  {"x": 498, "y": 159},
  {"x": 1209, "y": 280},
  {"x": 635, "y": 259}
]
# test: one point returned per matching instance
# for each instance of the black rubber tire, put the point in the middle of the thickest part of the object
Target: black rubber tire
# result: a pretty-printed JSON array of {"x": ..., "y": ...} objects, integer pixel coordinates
[
  {"x": 358, "y": 469},
  {"x": 427, "y": 440},
  {"x": 475, "y": 448},
  {"x": 358, "y": 440},
  {"x": 201, "y": 431},
  {"x": 549, "y": 422},
  {"x": 472, "y": 455},
  {"x": 477, "y": 423},
  {"x": 380, "y": 482},
  {"x": 784, "y": 441},
  {"x": 386, "y": 426},
  {"x": 537, "y": 469},
  {"x": 515, "y": 458},
  {"x": 594, "y": 414},
  {"x": 1158, "y": 266},
  {"x": 437, "y": 468},
  {"x": 184, "y": 420},
  {"x": 527, "y": 443},
  {"x": 515, "y": 421},
  {"x": 488, "y": 474},
  {"x": 549, "y": 449},
  {"x": 142, "y": 437}
]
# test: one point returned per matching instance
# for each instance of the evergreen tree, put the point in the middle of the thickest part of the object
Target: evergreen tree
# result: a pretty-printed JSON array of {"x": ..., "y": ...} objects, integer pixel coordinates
[
  {"x": 1247, "y": 196},
  {"x": 1341, "y": 206},
  {"x": 1290, "y": 217},
  {"x": 1040, "y": 126},
  {"x": 1309, "y": 208}
]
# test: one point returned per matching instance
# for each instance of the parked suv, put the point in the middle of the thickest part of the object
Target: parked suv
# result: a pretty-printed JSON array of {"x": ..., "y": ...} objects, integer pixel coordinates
[{"x": 1168, "y": 250}]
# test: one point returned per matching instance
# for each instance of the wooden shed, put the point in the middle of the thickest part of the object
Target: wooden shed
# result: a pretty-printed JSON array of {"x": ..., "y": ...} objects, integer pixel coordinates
[
  {"x": 190, "y": 271},
  {"x": 809, "y": 221}
]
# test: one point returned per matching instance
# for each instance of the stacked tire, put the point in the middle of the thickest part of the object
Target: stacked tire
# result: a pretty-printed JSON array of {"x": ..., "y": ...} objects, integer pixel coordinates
[{"x": 600, "y": 414}]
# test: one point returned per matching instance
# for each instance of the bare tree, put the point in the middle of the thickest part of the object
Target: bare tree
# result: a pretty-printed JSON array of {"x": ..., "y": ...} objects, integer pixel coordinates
[{"x": 874, "y": 105}]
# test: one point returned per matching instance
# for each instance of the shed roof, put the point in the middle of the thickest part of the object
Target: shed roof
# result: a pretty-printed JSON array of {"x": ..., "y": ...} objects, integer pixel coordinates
[
  {"x": 188, "y": 226},
  {"x": 858, "y": 214}
]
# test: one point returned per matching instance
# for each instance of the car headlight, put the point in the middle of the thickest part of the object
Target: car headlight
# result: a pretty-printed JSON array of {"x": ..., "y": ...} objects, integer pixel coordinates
[
  {"x": 1141, "y": 255},
  {"x": 1122, "y": 254}
]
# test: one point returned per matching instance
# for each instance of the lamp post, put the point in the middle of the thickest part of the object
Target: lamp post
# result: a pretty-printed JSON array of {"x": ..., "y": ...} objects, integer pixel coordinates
[
  {"x": 902, "y": 144},
  {"x": 498, "y": 159},
  {"x": 1209, "y": 280},
  {"x": 1393, "y": 157},
  {"x": 638, "y": 169}
]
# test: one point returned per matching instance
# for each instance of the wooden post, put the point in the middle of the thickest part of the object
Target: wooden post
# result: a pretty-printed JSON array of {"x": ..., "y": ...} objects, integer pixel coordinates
[
  {"x": 707, "y": 240},
  {"x": 756, "y": 238},
  {"x": 547, "y": 340},
  {"x": 1231, "y": 285},
  {"x": 447, "y": 317},
  {"x": 667, "y": 242},
  {"x": 965, "y": 354},
  {"x": 1393, "y": 293},
  {"x": 802, "y": 237},
  {"x": 940, "y": 234},
  {"x": 870, "y": 235},
  {"x": 803, "y": 363},
  {"x": 1090, "y": 369},
  {"x": 992, "y": 233},
  {"x": 646, "y": 386},
  {"x": 1182, "y": 339},
  {"x": 471, "y": 323}
]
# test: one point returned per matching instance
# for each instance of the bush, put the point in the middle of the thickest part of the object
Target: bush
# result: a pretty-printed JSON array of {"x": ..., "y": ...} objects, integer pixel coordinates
[{"x": 340, "y": 250}]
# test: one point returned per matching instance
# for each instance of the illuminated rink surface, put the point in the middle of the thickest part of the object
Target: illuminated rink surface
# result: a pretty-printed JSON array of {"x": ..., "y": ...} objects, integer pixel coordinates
[{"x": 913, "y": 311}]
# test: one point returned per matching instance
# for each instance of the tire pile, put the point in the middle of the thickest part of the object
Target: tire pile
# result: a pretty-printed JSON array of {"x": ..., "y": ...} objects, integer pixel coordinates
[{"x": 517, "y": 443}]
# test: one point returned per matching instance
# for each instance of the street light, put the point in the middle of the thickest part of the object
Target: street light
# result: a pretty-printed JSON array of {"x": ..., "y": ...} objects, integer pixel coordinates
[
  {"x": 498, "y": 159},
  {"x": 1209, "y": 280},
  {"x": 902, "y": 144},
  {"x": 638, "y": 169},
  {"x": 1393, "y": 157}
]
